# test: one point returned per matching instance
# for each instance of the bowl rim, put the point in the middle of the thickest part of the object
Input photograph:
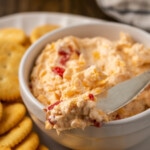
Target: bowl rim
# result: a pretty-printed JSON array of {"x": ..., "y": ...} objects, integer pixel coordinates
[{"x": 25, "y": 87}]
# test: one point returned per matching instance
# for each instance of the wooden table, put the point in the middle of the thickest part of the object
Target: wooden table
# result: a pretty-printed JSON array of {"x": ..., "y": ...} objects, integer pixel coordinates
[{"x": 79, "y": 7}]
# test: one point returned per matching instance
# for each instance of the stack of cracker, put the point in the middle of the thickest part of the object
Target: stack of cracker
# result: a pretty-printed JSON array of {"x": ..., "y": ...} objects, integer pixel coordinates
[{"x": 16, "y": 127}]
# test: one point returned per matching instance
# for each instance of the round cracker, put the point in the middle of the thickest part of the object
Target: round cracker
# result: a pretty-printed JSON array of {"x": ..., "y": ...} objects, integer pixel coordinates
[
  {"x": 41, "y": 30},
  {"x": 12, "y": 115},
  {"x": 42, "y": 147},
  {"x": 17, "y": 134},
  {"x": 30, "y": 142},
  {"x": 1, "y": 111},
  {"x": 13, "y": 34},
  {"x": 4, "y": 147},
  {"x": 10, "y": 56}
]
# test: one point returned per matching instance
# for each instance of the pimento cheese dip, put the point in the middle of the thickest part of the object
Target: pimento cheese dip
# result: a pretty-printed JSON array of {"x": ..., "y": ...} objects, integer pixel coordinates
[{"x": 70, "y": 73}]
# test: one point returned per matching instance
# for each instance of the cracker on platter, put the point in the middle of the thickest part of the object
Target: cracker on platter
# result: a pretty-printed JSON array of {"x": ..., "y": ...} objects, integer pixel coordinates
[
  {"x": 39, "y": 31},
  {"x": 13, "y": 34},
  {"x": 30, "y": 142},
  {"x": 42, "y": 147},
  {"x": 1, "y": 111},
  {"x": 12, "y": 114},
  {"x": 10, "y": 57},
  {"x": 17, "y": 134},
  {"x": 16, "y": 127}
]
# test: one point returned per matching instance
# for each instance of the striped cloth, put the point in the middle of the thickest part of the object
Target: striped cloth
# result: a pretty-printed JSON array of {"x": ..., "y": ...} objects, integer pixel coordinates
[{"x": 133, "y": 12}]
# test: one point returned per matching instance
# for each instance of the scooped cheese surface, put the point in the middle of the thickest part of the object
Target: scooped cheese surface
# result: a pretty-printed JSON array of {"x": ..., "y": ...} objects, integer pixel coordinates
[{"x": 70, "y": 73}]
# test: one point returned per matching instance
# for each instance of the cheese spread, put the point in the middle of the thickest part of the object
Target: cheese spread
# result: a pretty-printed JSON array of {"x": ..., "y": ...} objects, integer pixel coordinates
[{"x": 70, "y": 73}]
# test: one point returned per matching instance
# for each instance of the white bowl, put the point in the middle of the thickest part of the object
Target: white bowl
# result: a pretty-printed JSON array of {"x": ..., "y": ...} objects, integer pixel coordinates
[{"x": 114, "y": 135}]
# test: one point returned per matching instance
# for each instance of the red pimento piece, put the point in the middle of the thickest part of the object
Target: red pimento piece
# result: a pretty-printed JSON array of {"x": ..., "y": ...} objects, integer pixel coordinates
[
  {"x": 64, "y": 56},
  {"x": 58, "y": 70},
  {"x": 50, "y": 107},
  {"x": 97, "y": 124},
  {"x": 52, "y": 123},
  {"x": 64, "y": 59},
  {"x": 62, "y": 52},
  {"x": 91, "y": 97}
]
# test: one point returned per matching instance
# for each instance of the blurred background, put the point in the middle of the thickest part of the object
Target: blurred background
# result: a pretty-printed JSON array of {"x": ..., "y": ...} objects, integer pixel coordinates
[
  {"x": 133, "y": 12},
  {"x": 78, "y": 7}
]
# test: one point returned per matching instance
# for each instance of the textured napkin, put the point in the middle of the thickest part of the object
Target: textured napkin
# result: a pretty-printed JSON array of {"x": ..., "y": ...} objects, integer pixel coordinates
[{"x": 133, "y": 12}]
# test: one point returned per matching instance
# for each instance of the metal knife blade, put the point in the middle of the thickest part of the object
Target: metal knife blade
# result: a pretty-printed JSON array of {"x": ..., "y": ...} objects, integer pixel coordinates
[{"x": 123, "y": 93}]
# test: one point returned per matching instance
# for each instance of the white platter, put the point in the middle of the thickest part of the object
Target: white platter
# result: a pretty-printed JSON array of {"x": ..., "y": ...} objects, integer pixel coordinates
[{"x": 28, "y": 21}]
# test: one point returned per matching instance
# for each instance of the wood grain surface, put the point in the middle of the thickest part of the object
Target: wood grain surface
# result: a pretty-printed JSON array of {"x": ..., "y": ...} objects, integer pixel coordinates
[{"x": 79, "y": 7}]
